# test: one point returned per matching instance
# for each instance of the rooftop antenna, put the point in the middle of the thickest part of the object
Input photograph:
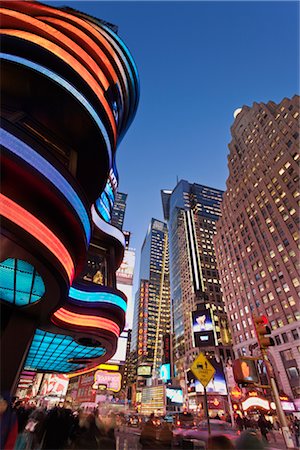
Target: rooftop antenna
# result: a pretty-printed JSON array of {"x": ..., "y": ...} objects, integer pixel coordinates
[{"x": 177, "y": 181}]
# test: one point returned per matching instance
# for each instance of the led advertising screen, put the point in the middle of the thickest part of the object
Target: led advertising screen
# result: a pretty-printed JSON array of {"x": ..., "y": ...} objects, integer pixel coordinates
[
  {"x": 174, "y": 396},
  {"x": 144, "y": 371},
  {"x": 217, "y": 385},
  {"x": 202, "y": 328},
  {"x": 165, "y": 372}
]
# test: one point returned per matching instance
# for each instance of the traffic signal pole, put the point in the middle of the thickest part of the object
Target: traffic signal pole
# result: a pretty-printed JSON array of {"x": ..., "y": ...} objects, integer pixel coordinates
[{"x": 280, "y": 413}]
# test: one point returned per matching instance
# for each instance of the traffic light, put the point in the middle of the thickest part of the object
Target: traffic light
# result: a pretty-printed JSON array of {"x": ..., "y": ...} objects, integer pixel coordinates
[
  {"x": 263, "y": 331},
  {"x": 244, "y": 371}
]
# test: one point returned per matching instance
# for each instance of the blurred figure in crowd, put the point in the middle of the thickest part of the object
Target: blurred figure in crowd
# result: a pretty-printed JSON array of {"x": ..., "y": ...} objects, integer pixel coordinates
[
  {"x": 219, "y": 443},
  {"x": 34, "y": 429},
  {"x": 8, "y": 422},
  {"x": 248, "y": 440},
  {"x": 88, "y": 435},
  {"x": 148, "y": 434},
  {"x": 264, "y": 427},
  {"x": 165, "y": 437}
]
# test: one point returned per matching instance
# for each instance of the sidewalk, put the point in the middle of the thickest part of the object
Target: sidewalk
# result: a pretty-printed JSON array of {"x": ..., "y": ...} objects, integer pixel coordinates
[{"x": 279, "y": 444}]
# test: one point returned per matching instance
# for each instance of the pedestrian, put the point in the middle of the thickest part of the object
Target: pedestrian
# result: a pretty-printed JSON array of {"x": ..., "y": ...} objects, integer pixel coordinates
[
  {"x": 88, "y": 434},
  {"x": 219, "y": 443},
  {"x": 148, "y": 434},
  {"x": 263, "y": 426},
  {"x": 8, "y": 422},
  {"x": 165, "y": 437},
  {"x": 248, "y": 440},
  {"x": 296, "y": 430}
]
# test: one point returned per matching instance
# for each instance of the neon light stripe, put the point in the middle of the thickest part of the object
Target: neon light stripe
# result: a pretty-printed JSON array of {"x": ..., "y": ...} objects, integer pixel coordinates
[
  {"x": 72, "y": 62},
  {"x": 33, "y": 158},
  {"x": 101, "y": 297},
  {"x": 107, "y": 228},
  {"x": 65, "y": 84},
  {"x": 43, "y": 29},
  {"x": 20, "y": 216},
  {"x": 84, "y": 320},
  {"x": 109, "y": 367},
  {"x": 98, "y": 53}
]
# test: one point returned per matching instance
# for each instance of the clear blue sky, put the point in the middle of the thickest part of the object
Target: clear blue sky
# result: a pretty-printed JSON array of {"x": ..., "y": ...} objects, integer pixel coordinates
[{"x": 198, "y": 62}]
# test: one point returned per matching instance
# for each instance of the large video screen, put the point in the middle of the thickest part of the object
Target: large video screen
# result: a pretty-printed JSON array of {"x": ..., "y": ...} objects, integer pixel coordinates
[
  {"x": 202, "y": 328},
  {"x": 174, "y": 396}
]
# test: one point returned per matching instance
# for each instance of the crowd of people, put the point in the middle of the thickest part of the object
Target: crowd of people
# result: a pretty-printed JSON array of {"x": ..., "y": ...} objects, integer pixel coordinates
[{"x": 25, "y": 427}]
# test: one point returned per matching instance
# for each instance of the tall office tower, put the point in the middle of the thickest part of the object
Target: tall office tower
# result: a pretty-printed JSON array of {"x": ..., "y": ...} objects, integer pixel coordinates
[
  {"x": 152, "y": 303},
  {"x": 257, "y": 238},
  {"x": 118, "y": 211},
  {"x": 192, "y": 211}
]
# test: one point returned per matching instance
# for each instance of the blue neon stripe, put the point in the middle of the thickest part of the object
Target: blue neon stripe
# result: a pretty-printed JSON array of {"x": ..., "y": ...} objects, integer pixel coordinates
[
  {"x": 126, "y": 51},
  {"x": 105, "y": 297},
  {"x": 65, "y": 84},
  {"x": 33, "y": 158},
  {"x": 101, "y": 207}
]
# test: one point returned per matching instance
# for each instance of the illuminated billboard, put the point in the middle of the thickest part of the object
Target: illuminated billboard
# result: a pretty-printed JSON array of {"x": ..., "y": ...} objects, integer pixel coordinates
[
  {"x": 165, "y": 372},
  {"x": 120, "y": 355},
  {"x": 110, "y": 381},
  {"x": 202, "y": 328},
  {"x": 144, "y": 371},
  {"x": 124, "y": 277},
  {"x": 174, "y": 396},
  {"x": 55, "y": 385}
]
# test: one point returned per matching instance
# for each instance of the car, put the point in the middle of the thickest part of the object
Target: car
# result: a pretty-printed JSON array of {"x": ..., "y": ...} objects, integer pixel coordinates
[{"x": 200, "y": 432}]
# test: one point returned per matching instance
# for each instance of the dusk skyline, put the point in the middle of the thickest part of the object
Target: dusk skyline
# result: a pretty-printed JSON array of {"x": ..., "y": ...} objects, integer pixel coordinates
[{"x": 197, "y": 62}]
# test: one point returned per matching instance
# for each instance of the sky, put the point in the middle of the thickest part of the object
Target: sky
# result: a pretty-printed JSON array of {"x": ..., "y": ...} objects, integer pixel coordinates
[{"x": 197, "y": 62}]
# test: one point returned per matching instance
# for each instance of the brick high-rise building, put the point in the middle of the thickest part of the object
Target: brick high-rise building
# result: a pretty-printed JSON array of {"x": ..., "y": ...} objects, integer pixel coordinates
[{"x": 257, "y": 238}]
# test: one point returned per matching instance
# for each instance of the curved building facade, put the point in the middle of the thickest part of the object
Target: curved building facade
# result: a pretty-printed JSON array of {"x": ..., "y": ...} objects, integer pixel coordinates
[{"x": 69, "y": 92}]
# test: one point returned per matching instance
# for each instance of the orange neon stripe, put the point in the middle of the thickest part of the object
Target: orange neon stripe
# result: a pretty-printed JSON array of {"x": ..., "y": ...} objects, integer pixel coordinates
[
  {"x": 37, "y": 8},
  {"x": 84, "y": 320},
  {"x": 98, "y": 53},
  {"x": 25, "y": 220},
  {"x": 49, "y": 32},
  {"x": 66, "y": 57}
]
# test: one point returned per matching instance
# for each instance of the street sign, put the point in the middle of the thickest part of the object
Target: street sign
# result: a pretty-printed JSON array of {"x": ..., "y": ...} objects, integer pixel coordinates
[{"x": 202, "y": 369}]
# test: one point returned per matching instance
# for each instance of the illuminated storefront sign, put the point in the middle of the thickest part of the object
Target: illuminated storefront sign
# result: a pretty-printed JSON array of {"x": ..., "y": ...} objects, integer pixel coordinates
[
  {"x": 253, "y": 402},
  {"x": 165, "y": 372},
  {"x": 202, "y": 327},
  {"x": 107, "y": 380}
]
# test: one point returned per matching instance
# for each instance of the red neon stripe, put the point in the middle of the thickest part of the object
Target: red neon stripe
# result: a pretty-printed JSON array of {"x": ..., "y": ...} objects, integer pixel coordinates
[
  {"x": 72, "y": 62},
  {"x": 36, "y": 8},
  {"x": 17, "y": 20},
  {"x": 84, "y": 40},
  {"x": 84, "y": 320},
  {"x": 25, "y": 220}
]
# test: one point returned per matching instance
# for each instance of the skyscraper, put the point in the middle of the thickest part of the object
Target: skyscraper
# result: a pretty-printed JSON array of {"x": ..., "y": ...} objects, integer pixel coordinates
[
  {"x": 192, "y": 211},
  {"x": 152, "y": 302},
  {"x": 257, "y": 238}
]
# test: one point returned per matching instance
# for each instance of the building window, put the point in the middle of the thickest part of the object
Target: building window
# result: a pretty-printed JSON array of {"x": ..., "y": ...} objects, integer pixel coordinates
[
  {"x": 277, "y": 340},
  {"x": 285, "y": 337},
  {"x": 293, "y": 373},
  {"x": 295, "y": 334},
  {"x": 287, "y": 355}
]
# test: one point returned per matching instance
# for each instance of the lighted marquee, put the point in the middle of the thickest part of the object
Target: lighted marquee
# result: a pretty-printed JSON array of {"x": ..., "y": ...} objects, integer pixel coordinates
[
  {"x": 20, "y": 284},
  {"x": 255, "y": 402},
  {"x": 51, "y": 352},
  {"x": 107, "y": 380}
]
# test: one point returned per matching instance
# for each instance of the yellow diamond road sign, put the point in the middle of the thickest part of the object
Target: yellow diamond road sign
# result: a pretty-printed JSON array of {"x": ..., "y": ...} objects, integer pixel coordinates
[{"x": 202, "y": 369}]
